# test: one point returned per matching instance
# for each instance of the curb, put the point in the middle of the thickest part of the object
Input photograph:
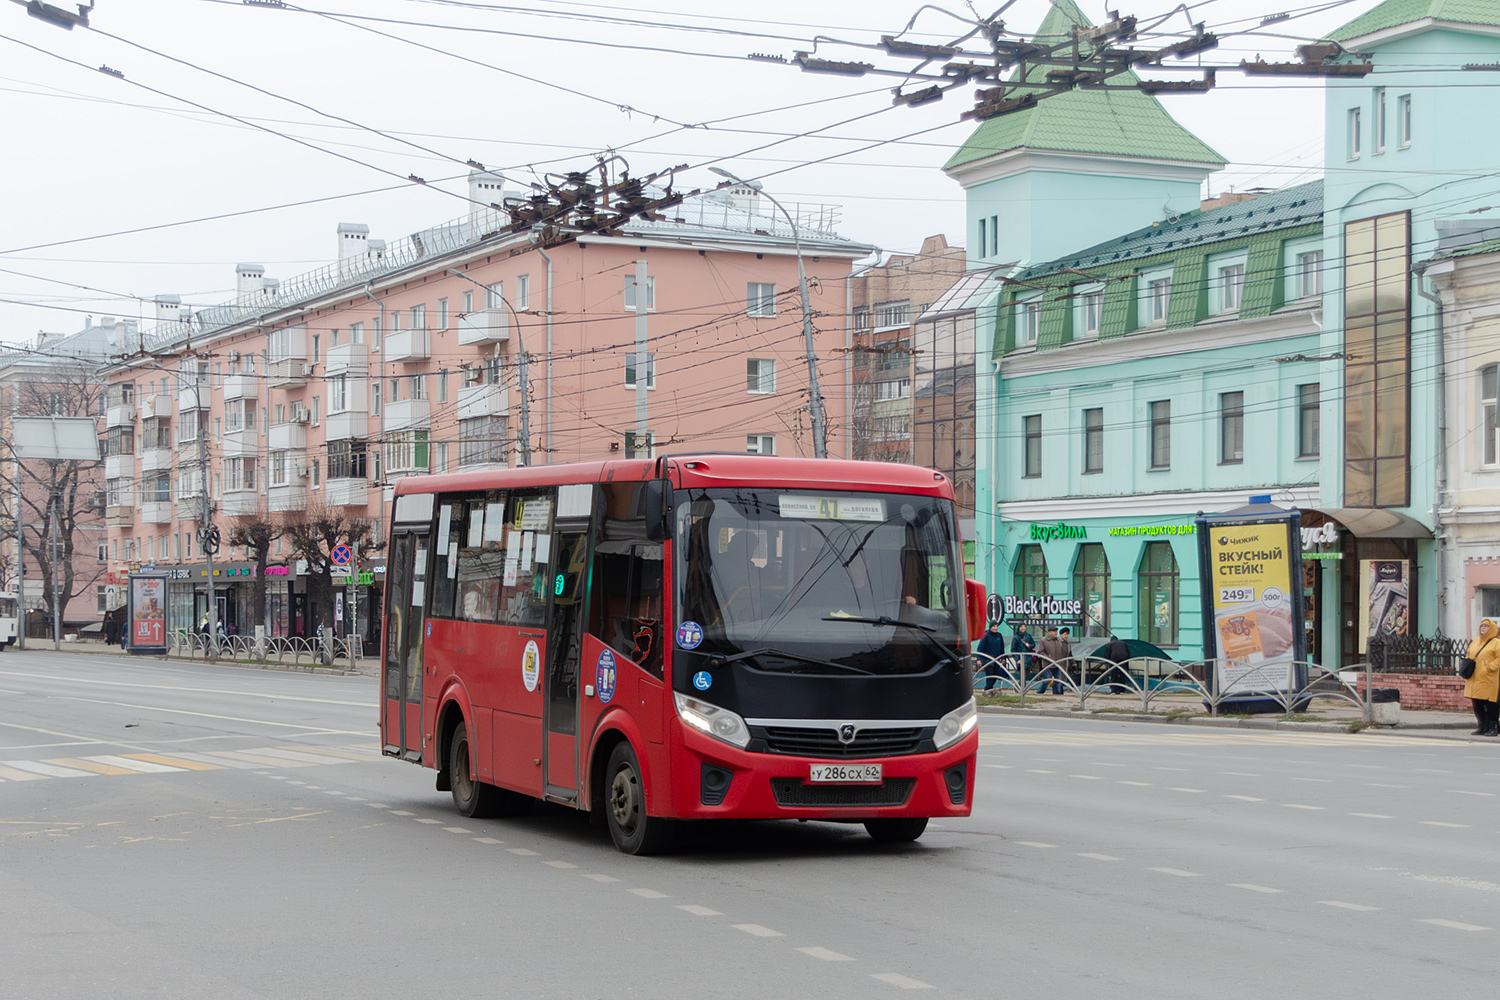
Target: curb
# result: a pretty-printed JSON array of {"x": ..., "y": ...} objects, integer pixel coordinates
[{"x": 1436, "y": 730}]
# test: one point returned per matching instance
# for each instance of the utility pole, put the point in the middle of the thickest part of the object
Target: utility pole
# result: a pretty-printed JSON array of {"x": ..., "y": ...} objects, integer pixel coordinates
[
  {"x": 52, "y": 549},
  {"x": 20, "y": 546},
  {"x": 208, "y": 537},
  {"x": 642, "y": 363}
]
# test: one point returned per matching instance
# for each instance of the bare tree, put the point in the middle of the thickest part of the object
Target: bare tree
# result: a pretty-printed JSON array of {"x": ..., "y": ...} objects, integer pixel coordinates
[
  {"x": 256, "y": 532},
  {"x": 314, "y": 532},
  {"x": 69, "y": 489}
]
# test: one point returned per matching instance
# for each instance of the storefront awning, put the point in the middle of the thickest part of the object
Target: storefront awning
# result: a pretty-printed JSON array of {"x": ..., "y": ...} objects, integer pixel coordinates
[{"x": 1371, "y": 522}]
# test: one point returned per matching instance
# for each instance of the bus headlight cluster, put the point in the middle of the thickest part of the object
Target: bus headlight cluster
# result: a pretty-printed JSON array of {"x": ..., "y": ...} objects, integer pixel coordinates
[
  {"x": 720, "y": 723},
  {"x": 956, "y": 724}
]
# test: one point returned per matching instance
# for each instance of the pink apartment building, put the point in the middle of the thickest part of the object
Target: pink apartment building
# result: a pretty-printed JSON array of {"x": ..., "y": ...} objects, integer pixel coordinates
[{"x": 318, "y": 392}]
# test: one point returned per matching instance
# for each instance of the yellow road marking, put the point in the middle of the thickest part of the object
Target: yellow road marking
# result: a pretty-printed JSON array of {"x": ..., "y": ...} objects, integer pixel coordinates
[
  {"x": 89, "y": 765},
  {"x": 11, "y": 774},
  {"x": 191, "y": 765}
]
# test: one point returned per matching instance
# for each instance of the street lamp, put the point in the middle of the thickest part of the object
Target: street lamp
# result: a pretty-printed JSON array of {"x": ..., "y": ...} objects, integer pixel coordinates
[{"x": 814, "y": 397}]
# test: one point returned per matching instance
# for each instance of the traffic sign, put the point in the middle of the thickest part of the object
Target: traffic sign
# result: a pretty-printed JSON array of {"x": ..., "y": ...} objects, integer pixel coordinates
[{"x": 341, "y": 555}]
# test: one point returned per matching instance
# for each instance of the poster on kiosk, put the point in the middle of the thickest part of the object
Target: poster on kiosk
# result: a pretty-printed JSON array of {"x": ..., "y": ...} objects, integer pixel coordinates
[
  {"x": 1250, "y": 561},
  {"x": 148, "y": 613}
]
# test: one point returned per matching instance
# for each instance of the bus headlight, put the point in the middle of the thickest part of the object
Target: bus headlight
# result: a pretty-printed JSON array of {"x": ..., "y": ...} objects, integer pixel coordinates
[
  {"x": 720, "y": 723},
  {"x": 956, "y": 724}
]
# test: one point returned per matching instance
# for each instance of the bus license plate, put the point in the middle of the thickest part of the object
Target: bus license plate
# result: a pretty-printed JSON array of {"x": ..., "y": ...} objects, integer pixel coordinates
[{"x": 845, "y": 773}]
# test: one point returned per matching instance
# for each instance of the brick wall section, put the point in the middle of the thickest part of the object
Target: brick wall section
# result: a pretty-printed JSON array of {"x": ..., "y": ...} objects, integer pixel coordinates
[{"x": 1440, "y": 692}]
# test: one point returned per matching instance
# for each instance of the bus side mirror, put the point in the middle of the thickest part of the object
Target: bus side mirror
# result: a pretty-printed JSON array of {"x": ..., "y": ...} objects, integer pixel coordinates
[
  {"x": 975, "y": 598},
  {"x": 656, "y": 501}
]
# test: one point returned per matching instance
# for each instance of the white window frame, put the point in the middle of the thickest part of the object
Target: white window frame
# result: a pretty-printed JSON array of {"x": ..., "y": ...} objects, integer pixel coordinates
[
  {"x": 1377, "y": 121},
  {"x": 630, "y": 371},
  {"x": 1489, "y": 415},
  {"x": 1153, "y": 282},
  {"x": 1310, "y": 273},
  {"x": 650, "y": 293},
  {"x": 1352, "y": 136},
  {"x": 760, "y": 444},
  {"x": 1090, "y": 307},
  {"x": 760, "y": 298},
  {"x": 1028, "y": 320},
  {"x": 760, "y": 376},
  {"x": 1403, "y": 121},
  {"x": 1228, "y": 285}
]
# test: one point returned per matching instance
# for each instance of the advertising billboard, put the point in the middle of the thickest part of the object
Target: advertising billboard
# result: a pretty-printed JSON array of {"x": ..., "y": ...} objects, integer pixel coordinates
[
  {"x": 1252, "y": 601},
  {"x": 1385, "y": 585},
  {"x": 148, "y": 613}
]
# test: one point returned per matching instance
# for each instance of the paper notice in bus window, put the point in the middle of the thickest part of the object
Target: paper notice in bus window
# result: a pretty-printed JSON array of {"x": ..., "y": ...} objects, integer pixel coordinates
[
  {"x": 535, "y": 515},
  {"x": 445, "y": 521},
  {"x": 419, "y": 563},
  {"x": 418, "y": 593},
  {"x": 511, "y": 566},
  {"x": 453, "y": 557},
  {"x": 494, "y": 523},
  {"x": 526, "y": 537},
  {"x": 513, "y": 546},
  {"x": 543, "y": 548},
  {"x": 476, "y": 525},
  {"x": 814, "y": 508}
]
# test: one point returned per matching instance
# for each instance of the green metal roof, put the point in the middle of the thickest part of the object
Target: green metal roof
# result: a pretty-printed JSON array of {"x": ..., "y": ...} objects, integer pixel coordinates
[
  {"x": 1109, "y": 122},
  {"x": 1393, "y": 13}
]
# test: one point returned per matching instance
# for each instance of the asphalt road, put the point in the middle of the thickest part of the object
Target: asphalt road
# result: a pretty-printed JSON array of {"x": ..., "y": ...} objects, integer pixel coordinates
[{"x": 183, "y": 830}]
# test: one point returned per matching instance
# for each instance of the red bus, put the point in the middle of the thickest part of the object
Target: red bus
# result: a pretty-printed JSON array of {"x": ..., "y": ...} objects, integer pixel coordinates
[{"x": 693, "y": 637}]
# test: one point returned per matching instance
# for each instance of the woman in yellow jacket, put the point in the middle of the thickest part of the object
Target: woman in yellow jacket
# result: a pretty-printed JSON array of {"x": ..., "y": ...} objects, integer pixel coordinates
[{"x": 1484, "y": 686}]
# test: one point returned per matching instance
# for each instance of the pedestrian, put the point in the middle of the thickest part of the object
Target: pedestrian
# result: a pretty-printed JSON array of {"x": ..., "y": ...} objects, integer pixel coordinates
[
  {"x": 991, "y": 653},
  {"x": 1022, "y": 645},
  {"x": 1116, "y": 653},
  {"x": 1483, "y": 687},
  {"x": 111, "y": 629},
  {"x": 1056, "y": 652}
]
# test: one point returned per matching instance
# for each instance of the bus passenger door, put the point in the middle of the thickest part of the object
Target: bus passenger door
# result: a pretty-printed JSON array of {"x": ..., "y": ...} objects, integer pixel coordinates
[
  {"x": 406, "y": 600},
  {"x": 564, "y": 649}
]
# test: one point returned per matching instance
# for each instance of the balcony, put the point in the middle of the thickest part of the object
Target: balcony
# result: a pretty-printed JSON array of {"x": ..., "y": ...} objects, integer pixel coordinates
[
  {"x": 120, "y": 415},
  {"x": 408, "y": 345},
  {"x": 241, "y": 387},
  {"x": 157, "y": 512},
  {"x": 119, "y": 467},
  {"x": 241, "y": 443},
  {"x": 156, "y": 405},
  {"x": 346, "y": 492},
  {"x": 290, "y": 496},
  {"x": 348, "y": 424},
  {"x": 288, "y": 373},
  {"x": 484, "y": 326},
  {"x": 483, "y": 401},
  {"x": 287, "y": 437},
  {"x": 119, "y": 516},
  {"x": 195, "y": 396},
  {"x": 407, "y": 414},
  {"x": 347, "y": 359},
  {"x": 239, "y": 503},
  {"x": 154, "y": 459}
]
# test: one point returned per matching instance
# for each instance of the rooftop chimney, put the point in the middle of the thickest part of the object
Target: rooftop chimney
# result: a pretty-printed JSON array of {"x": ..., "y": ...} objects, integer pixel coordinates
[
  {"x": 249, "y": 279},
  {"x": 353, "y": 237},
  {"x": 168, "y": 308},
  {"x": 485, "y": 188},
  {"x": 271, "y": 289}
]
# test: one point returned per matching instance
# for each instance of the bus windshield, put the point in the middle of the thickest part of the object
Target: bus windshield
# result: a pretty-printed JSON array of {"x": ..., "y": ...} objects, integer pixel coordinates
[{"x": 820, "y": 582}]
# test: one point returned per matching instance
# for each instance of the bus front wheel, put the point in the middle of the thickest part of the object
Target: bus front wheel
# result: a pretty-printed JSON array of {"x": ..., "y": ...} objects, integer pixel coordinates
[
  {"x": 633, "y": 831},
  {"x": 895, "y": 831}
]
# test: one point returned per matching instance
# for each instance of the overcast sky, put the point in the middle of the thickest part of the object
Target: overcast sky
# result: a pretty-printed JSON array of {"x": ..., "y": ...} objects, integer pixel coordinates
[{"x": 135, "y": 193}]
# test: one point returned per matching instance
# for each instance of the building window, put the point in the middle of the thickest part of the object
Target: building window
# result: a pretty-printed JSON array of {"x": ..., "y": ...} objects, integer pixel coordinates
[
  {"x": 630, "y": 371},
  {"x": 120, "y": 441},
  {"x": 636, "y": 448},
  {"x": 1489, "y": 396},
  {"x": 1093, "y": 311},
  {"x": 1033, "y": 434},
  {"x": 1377, "y": 365},
  {"x": 1353, "y": 134},
  {"x": 523, "y": 292},
  {"x": 984, "y": 237},
  {"x": 630, "y": 293},
  {"x": 1377, "y": 122},
  {"x": 418, "y": 317},
  {"x": 994, "y": 235},
  {"x": 1309, "y": 421},
  {"x": 1159, "y": 299},
  {"x": 1093, "y": 440},
  {"x": 347, "y": 460},
  {"x": 1309, "y": 274},
  {"x": 494, "y": 296},
  {"x": 442, "y": 314},
  {"x": 1161, "y": 434},
  {"x": 101, "y": 597},
  {"x": 861, "y": 319},
  {"x": 338, "y": 394},
  {"x": 889, "y": 314},
  {"x": 1031, "y": 572},
  {"x": 761, "y": 297},
  {"x": 356, "y": 334},
  {"x": 278, "y": 468},
  {"x": 1031, "y": 321},
  {"x": 892, "y": 390},
  {"x": 482, "y": 440},
  {"x": 1158, "y": 595},
  {"x": 760, "y": 375},
  {"x": 407, "y": 451},
  {"x": 1403, "y": 120},
  {"x": 1231, "y": 287},
  {"x": 761, "y": 444},
  {"x": 1231, "y": 427},
  {"x": 1091, "y": 586},
  {"x": 468, "y": 302},
  {"x": 440, "y": 456}
]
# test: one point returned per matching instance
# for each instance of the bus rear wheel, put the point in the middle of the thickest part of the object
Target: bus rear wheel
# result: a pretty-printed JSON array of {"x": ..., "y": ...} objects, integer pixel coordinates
[
  {"x": 471, "y": 797},
  {"x": 895, "y": 831},
  {"x": 633, "y": 831}
]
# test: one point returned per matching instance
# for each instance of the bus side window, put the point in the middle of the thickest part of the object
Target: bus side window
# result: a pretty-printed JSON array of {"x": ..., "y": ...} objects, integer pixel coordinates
[
  {"x": 481, "y": 560},
  {"x": 528, "y": 538},
  {"x": 626, "y": 608},
  {"x": 447, "y": 543}
]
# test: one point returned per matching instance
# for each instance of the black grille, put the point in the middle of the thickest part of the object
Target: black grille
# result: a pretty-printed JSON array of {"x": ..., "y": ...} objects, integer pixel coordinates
[
  {"x": 792, "y": 792},
  {"x": 807, "y": 741}
]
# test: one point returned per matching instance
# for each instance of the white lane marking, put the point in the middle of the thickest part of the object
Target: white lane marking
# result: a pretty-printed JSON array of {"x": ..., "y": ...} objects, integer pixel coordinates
[
  {"x": 1195, "y": 791},
  {"x": 1252, "y": 887},
  {"x": 522, "y": 851},
  {"x": 1454, "y": 924},
  {"x": 757, "y": 930},
  {"x": 348, "y": 797},
  {"x": 1322, "y": 780},
  {"x": 905, "y": 982},
  {"x": 1460, "y": 791},
  {"x": 1086, "y": 777},
  {"x": 1245, "y": 798},
  {"x": 648, "y": 893},
  {"x": 1430, "y": 770},
  {"x": 1177, "y": 871},
  {"x": 1138, "y": 784},
  {"x": 1451, "y": 826},
  {"x": 1037, "y": 770},
  {"x": 700, "y": 911},
  {"x": 1103, "y": 763},
  {"x": 1372, "y": 815},
  {"x": 330, "y": 791},
  {"x": 219, "y": 761},
  {"x": 1240, "y": 774},
  {"x": 1032, "y": 843},
  {"x": 1376, "y": 784},
  {"x": 601, "y": 878},
  {"x": 50, "y": 770},
  {"x": 559, "y": 864},
  {"x": 133, "y": 764},
  {"x": 1002, "y": 767},
  {"x": 1097, "y": 857},
  {"x": 299, "y": 755},
  {"x": 378, "y": 805},
  {"x": 825, "y": 954},
  {"x": 401, "y": 812},
  {"x": 1348, "y": 906},
  {"x": 487, "y": 840},
  {"x": 456, "y": 829},
  {"x": 1183, "y": 769},
  {"x": 426, "y": 819},
  {"x": 1296, "y": 805}
]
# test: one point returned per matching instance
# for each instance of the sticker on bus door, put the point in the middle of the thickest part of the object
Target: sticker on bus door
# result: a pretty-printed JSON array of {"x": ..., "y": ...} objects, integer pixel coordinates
[
  {"x": 604, "y": 676},
  {"x": 530, "y": 668}
]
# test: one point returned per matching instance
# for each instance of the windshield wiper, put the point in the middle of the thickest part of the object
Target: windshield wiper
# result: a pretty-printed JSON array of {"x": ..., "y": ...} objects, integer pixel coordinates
[
  {"x": 719, "y": 660},
  {"x": 925, "y": 631}
]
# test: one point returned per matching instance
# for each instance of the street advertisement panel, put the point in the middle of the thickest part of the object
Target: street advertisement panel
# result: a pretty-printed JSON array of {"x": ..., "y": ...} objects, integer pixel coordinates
[
  {"x": 1252, "y": 570},
  {"x": 1385, "y": 609},
  {"x": 148, "y": 613}
]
